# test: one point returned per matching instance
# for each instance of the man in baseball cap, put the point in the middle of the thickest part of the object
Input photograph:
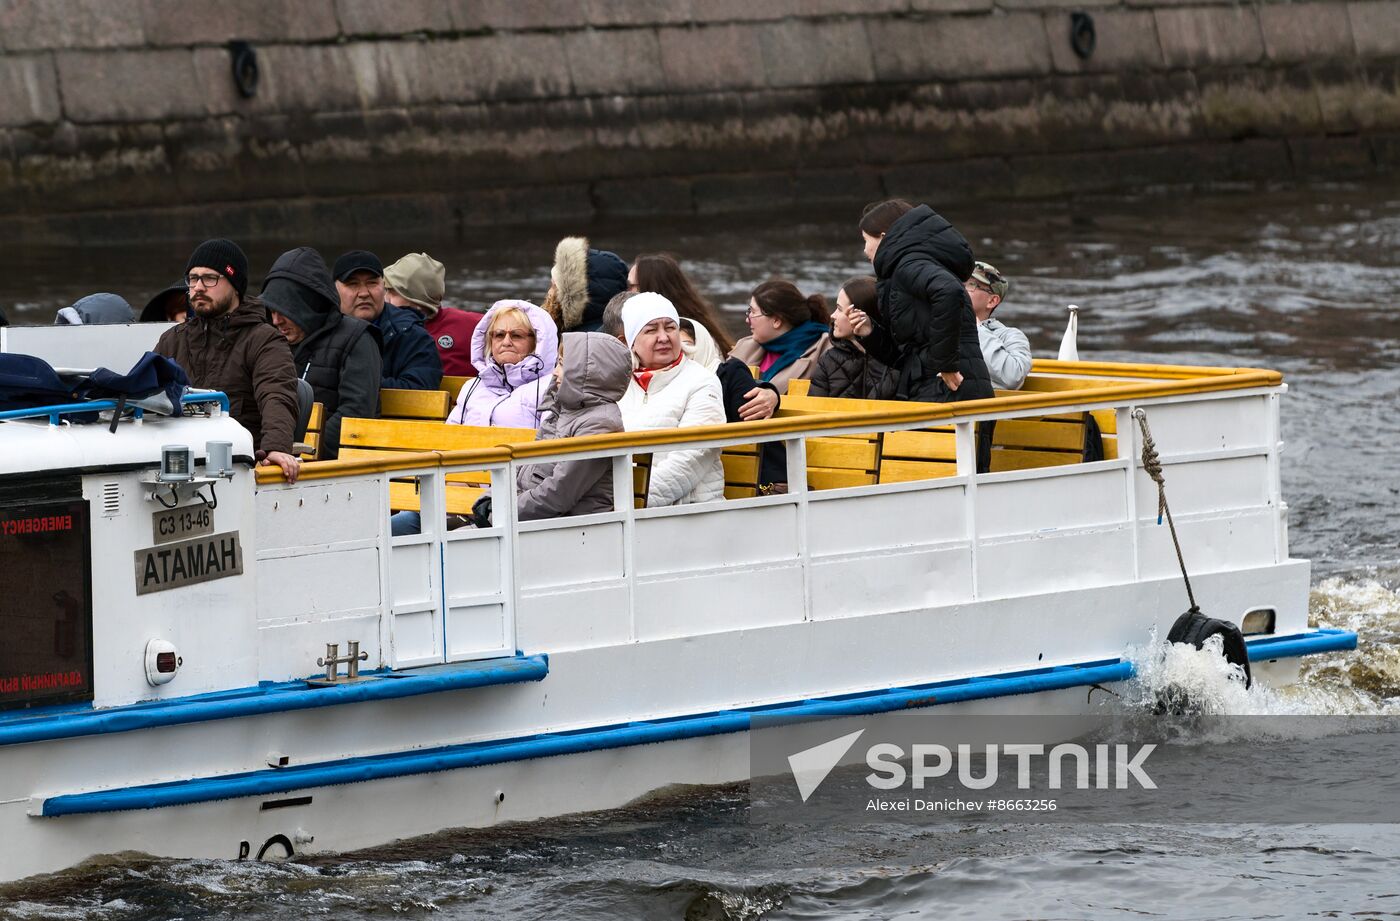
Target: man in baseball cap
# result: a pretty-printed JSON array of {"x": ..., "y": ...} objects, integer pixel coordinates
[
  {"x": 417, "y": 282},
  {"x": 410, "y": 359},
  {"x": 1006, "y": 350}
]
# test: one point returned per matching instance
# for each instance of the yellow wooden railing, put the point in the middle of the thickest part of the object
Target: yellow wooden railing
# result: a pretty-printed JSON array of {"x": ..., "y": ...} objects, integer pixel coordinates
[{"x": 1147, "y": 382}]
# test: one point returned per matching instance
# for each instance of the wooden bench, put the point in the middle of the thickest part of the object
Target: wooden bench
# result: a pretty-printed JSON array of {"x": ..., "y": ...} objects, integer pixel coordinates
[
  {"x": 1043, "y": 441},
  {"x": 1017, "y": 438},
  {"x": 838, "y": 461},
  {"x": 641, "y": 479},
  {"x": 377, "y": 437},
  {"x": 741, "y": 469},
  {"x": 925, "y": 454},
  {"x": 1106, "y": 419},
  {"x": 311, "y": 439},
  {"x": 741, "y": 465},
  {"x": 453, "y": 384},
  {"x": 920, "y": 454},
  {"x": 431, "y": 405}
]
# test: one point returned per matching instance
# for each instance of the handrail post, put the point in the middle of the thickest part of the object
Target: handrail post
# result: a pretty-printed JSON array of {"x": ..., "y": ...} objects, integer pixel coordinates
[
  {"x": 503, "y": 516},
  {"x": 798, "y": 492},
  {"x": 1129, "y": 452},
  {"x": 624, "y": 502},
  {"x": 965, "y": 447}
]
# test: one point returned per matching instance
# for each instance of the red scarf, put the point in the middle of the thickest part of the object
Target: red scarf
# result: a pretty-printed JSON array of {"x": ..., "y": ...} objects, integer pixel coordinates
[{"x": 643, "y": 378}]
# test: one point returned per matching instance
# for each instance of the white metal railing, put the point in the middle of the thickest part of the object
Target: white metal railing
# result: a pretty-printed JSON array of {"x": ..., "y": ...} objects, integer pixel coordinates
[{"x": 633, "y": 575}]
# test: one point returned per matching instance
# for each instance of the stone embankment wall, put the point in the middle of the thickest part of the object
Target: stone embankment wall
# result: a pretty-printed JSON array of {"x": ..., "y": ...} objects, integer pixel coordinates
[{"x": 120, "y": 119}]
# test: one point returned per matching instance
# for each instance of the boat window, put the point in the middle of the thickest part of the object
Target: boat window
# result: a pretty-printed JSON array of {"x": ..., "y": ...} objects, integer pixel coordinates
[
  {"x": 46, "y": 615},
  {"x": 1258, "y": 620}
]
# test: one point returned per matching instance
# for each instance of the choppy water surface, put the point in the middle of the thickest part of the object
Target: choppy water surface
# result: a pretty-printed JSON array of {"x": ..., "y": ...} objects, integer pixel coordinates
[{"x": 1301, "y": 280}]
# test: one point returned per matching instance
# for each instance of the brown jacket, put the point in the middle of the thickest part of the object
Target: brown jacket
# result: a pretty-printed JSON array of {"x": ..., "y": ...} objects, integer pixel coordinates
[
  {"x": 246, "y": 357},
  {"x": 750, "y": 353}
]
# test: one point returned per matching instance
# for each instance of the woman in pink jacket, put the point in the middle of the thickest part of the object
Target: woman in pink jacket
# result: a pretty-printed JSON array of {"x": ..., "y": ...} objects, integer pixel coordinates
[
  {"x": 512, "y": 377},
  {"x": 514, "y": 349}
]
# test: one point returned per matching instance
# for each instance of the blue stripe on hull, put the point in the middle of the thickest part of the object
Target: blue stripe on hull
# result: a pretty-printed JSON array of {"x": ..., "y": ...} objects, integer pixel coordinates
[
  {"x": 1329, "y": 639},
  {"x": 476, "y": 754},
  {"x": 270, "y": 698}
]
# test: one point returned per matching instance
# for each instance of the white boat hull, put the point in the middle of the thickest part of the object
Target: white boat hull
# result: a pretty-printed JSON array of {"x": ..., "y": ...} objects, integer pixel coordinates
[
  {"x": 584, "y": 688},
  {"x": 537, "y": 669}
]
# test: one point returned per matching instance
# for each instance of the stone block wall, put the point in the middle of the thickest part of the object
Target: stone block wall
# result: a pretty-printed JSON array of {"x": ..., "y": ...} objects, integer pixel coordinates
[{"x": 492, "y": 111}]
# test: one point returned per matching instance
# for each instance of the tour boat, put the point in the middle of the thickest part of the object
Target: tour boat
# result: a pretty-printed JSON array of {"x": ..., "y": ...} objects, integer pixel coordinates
[{"x": 199, "y": 659}]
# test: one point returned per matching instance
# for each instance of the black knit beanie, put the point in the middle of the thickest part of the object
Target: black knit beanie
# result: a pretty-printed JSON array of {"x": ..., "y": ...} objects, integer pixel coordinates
[{"x": 224, "y": 257}]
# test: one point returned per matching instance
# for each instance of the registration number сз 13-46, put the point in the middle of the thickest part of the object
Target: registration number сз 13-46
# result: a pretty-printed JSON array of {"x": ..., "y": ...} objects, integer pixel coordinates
[{"x": 179, "y": 523}]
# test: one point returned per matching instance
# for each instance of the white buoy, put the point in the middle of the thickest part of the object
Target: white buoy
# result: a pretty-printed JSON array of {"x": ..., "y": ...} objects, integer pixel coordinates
[{"x": 1069, "y": 345}]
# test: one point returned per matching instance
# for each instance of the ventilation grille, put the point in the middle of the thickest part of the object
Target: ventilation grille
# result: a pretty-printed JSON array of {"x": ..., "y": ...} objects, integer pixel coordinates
[{"x": 111, "y": 499}]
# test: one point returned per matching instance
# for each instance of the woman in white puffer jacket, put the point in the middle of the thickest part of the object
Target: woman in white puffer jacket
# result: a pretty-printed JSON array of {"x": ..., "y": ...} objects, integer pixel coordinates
[{"x": 669, "y": 390}]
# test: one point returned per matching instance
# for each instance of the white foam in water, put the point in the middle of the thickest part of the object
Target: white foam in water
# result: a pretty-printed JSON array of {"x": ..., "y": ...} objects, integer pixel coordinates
[
  {"x": 1211, "y": 685},
  {"x": 1371, "y": 609},
  {"x": 1346, "y": 683},
  {"x": 23, "y": 909}
]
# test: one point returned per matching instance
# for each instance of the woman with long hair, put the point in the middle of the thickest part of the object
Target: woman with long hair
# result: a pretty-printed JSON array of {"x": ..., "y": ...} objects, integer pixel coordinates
[
  {"x": 787, "y": 333},
  {"x": 660, "y": 272},
  {"x": 926, "y": 333}
]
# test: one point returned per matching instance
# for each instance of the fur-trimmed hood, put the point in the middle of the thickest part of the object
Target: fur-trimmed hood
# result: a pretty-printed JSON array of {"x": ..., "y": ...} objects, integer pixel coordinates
[
  {"x": 570, "y": 276},
  {"x": 585, "y": 279}
]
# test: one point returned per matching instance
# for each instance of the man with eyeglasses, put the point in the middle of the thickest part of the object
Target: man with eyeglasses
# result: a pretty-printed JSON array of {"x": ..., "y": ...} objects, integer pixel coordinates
[
  {"x": 1006, "y": 350},
  {"x": 226, "y": 343},
  {"x": 411, "y": 359}
]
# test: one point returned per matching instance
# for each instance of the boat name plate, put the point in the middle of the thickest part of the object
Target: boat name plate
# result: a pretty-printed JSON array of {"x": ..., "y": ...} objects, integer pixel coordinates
[
  {"x": 188, "y": 562},
  {"x": 179, "y": 523}
]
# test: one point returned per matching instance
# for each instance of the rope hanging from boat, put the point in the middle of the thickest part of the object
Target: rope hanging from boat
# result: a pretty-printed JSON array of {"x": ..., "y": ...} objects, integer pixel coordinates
[{"x": 1152, "y": 465}]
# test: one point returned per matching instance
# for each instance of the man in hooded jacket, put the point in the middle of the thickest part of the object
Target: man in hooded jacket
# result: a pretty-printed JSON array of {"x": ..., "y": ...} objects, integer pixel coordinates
[{"x": 337, "y": 354}]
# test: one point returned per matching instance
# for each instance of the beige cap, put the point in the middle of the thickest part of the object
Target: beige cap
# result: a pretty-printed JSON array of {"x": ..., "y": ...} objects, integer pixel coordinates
[
  {"x": 419, "y": 279},
  {"x": 986, "y": 274}
]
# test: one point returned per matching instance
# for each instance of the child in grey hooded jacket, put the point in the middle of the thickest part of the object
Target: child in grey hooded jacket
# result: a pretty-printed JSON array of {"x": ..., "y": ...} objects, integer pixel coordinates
[{"x": 592, "y": 376}]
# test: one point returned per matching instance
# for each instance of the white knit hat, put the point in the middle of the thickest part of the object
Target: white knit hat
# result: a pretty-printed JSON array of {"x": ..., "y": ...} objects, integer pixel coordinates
[{"x": 641, "y": 309}]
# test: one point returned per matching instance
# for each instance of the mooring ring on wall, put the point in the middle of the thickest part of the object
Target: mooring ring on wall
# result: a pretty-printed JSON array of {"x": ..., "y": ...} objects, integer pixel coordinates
[
  {"x": 245, "y": 68},
  {"x": 1082, "y": 37}
]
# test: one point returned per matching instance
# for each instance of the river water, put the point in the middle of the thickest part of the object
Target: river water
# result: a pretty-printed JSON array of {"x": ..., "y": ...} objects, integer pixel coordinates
[{"x": 1302, "y": 280}]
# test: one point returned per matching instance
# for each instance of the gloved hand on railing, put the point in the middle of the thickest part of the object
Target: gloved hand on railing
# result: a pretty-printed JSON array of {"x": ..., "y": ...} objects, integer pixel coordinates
[{"x": 481, "y": 512}]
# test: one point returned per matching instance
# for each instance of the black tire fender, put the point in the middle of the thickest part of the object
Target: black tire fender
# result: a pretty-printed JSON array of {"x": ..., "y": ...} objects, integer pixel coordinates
[{"x": 1195, "y": 628}]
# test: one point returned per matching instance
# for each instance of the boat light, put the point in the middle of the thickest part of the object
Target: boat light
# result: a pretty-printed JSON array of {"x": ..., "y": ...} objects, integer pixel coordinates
[
  {"x": 176, "y": 464},
  {"x": 220, "y": 458},
  {"x": 162, "y": 661}
]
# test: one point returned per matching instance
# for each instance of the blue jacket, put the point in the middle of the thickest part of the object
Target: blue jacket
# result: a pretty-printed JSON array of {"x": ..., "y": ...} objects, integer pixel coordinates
[{"x": 411, "y": 359}]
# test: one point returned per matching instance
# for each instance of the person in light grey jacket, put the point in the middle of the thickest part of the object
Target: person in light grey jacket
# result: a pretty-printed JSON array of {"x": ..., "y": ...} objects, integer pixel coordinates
[
  {"x": 1005, "y": 349},
  {"x": 592, "y": 375}
]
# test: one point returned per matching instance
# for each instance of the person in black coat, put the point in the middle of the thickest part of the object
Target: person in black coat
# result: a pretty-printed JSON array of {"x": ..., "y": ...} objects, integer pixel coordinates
[
  {"x": 337, "y": 354},
  {"x": 410, "y": 356},
  {"x": 846, "y": 369},
  {"x": 927, "y": 333}
]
